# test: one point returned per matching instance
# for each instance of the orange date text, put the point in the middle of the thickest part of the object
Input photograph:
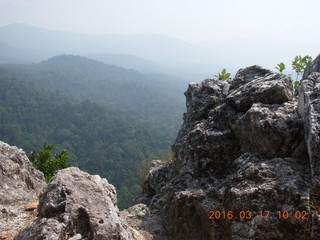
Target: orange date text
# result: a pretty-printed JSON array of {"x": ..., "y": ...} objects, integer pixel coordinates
[{"x": 247, "y": 215}]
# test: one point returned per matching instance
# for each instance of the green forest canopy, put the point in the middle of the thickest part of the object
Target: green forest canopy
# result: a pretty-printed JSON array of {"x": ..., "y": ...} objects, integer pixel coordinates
[{"x": 98, "y": 138}]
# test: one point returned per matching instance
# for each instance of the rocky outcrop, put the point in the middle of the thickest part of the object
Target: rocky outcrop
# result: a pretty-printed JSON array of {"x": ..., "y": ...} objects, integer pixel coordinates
[
  {"x": 245, "y": 158},
  {"x": 271, "y": 88},
  {"x": 76, "y": 205},
  {"x": 273, "y": 130},
  {"x": 19, "y": 181},
  {"x": 313, "y": 66},
  {"x": 309, "y": 110}
]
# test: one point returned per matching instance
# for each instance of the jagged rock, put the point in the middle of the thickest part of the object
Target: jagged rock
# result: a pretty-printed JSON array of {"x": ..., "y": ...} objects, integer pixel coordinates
[
  {"x": 203, "y": 97},
  {"x": 75, "y": 202},
  {"x": 19, "y": 181},
  {"x": 313, "y": 66},
  {"x": 267, "y": 185},
  {"x": 309, "y": 109},
  {"x": 135, "y": 216},
  {"x": 238, "y": 150},
  {"x": 272, "y": 130},
  {"x": 272, "y": 88},
  {"x": 245, "y": 75}
]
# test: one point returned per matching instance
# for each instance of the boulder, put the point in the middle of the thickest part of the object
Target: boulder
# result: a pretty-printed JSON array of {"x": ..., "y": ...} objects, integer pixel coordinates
[
  {"x": 75, "y": 203},
  {"x": 245, "y": 75},
  {"x": 272, "y": 88},
  {"x": 271, "y": 130},
  {"x": 19, "y": 181}
]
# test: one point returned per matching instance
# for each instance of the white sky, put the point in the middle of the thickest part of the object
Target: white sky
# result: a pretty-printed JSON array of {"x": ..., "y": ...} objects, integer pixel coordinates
[{"x": 190, "y": 20}]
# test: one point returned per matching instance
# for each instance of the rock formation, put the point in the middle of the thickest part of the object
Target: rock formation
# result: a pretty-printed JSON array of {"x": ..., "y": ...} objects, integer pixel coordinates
[
  {"x": 247, "y": 156},
  {"x": 76, "y": 205},
  {"x": 19, "y": 181}
]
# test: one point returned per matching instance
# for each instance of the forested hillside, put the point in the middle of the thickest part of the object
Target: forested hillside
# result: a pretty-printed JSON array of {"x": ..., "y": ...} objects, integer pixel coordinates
[
  {"x": 110, "y": 138},
  {"x": 156, "y": 101}
]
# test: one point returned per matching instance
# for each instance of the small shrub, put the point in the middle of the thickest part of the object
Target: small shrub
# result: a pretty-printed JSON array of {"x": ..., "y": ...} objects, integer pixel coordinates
[
  {"x": 223, "y": 75},
  {"x": 46, "y": 163},
  {"x": 281, "y": 66},
  {"x": 299, "y": 63}
]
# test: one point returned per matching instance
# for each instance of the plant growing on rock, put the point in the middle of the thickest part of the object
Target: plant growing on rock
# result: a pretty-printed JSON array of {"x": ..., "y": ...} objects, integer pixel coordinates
[
  {"x": 46, "y": 163},
  {"x": 280, "y": 67},
  {"x": 299, "y": 63},
  {"x": 223, "y": 75}
]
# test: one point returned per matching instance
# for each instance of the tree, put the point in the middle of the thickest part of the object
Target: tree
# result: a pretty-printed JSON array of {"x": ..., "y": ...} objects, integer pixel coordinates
[
  {"x": 223, "y": 75},
  {"x": 281, "y": 66},
  {"x": 299, "y": 63},
  {"x": 44, "y": 162}
]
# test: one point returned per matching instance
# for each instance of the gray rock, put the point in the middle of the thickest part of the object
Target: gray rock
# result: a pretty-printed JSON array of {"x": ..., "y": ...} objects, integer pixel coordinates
[
  {"x": 136, "y": 217},
  {"x": 245, "y": 75},
  {"x": 75, "y": 202},
  {"x": 272, "y": 88},
  {"x": 238, "y": 150},
  {"x": 309, "y": 109},
  {"x": 271, "y": 130},
  {"x": 313, "y": 66},
  {"x": 19, "y": 181},
  {"x": 201, "y": 98},
  {"x": 76, "y": 237}
]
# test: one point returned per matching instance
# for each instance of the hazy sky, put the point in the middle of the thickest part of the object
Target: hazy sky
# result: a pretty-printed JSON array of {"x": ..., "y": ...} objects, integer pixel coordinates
[{"x": 190, "y": 20}]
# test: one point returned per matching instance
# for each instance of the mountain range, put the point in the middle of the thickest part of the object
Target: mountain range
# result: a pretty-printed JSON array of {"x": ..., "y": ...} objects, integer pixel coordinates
[{"x": 154, "y": 53}]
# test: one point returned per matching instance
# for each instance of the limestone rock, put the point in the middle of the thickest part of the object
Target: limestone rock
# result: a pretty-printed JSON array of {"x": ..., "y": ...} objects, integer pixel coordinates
[
  {"x": 309, "y": 109},
  {"x": 271, "y": 130},
  {"x": 272, "y": 88},
  {"x": 313, "y": 66},
  {"x": 136, "y": 218},
  {"x": 74, "y": 203},
  {"x": 241, "y": 148},
  {"x": 20, "y": 184},
  {"x": 19, "y": 181},
  {"x": 245, "y": 75}
]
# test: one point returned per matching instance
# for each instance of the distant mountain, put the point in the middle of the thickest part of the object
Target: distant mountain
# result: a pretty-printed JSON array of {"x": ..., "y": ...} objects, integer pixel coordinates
[
  {"x": 127, "y": 61},
  {"x": 9, "y": 54},
  {"x": 54, "y": 42},
  {"x": 156, "y": 100},
  {"x": 191, "y": 61},
  {"x": 175, "y": 56}
]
